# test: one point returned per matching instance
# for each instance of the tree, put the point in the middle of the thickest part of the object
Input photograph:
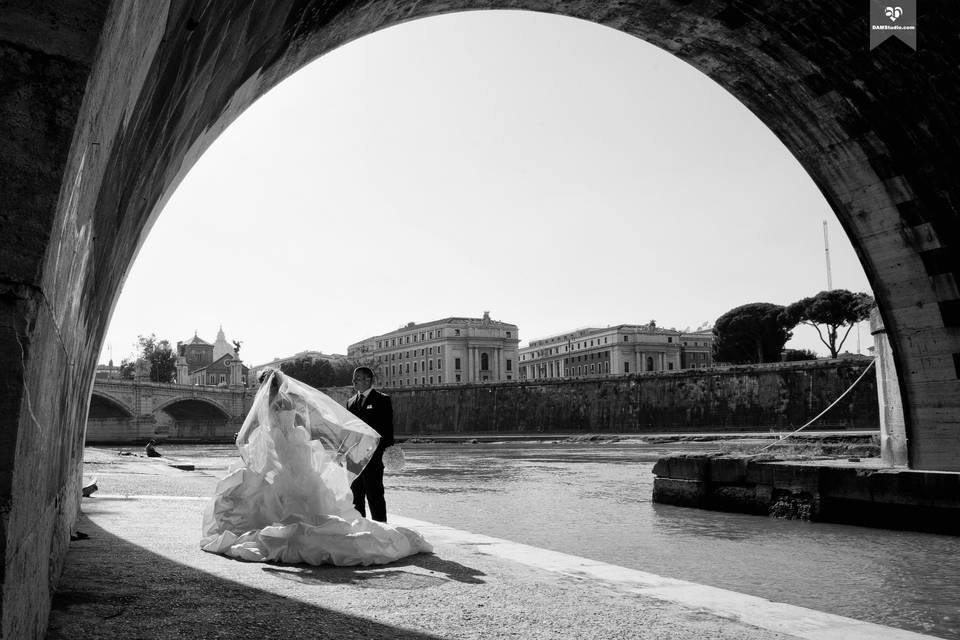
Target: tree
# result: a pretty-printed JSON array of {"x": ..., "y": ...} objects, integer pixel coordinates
[
  {"x": 750, "y": 333},
  {"x": 128, "y": 368},
  {"x": 828, "y": 312},
  {"x": 797, "y": 355},
  {"x": 160, "y": 356},
  {"x": 343, "y": 370},
  {"x": 319, "y": 373}
]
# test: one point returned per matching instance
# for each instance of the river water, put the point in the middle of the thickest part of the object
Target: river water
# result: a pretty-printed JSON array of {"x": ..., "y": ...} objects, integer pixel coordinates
[{"x": 594, "y": 500}]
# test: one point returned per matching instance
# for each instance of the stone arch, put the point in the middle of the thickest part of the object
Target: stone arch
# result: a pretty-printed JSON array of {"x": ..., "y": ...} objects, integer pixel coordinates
[
  {"x": 211, "y": 406},
  {"x": 823, "y": 104},
  {"x": 194, "y": 419},
  {"x": 120, "y": 406},
  {"x": 115, "y": 101}
]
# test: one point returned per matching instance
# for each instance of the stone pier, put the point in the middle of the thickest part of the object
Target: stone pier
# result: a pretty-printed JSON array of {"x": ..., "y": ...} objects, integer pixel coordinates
[
  {"x": 893, "y": 430},
  {"x": 864, "y": 492}
]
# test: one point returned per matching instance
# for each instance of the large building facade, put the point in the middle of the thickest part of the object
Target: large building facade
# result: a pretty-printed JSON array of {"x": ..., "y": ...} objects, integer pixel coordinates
[
  {"x": 696, "y": 348},
  {"x": 618, "y": 350},
  {"x": 447, "y": 351}
]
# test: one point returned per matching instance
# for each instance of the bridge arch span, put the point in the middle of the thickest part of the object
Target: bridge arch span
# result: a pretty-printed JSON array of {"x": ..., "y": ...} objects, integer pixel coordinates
[
  {"x": 104, "y": 406},
  {"x": 193, "y": 406},
  {"x": 194, "y": 419},
  {"x": 845, "y": 113},
  {"x": 98, "y": 153}
]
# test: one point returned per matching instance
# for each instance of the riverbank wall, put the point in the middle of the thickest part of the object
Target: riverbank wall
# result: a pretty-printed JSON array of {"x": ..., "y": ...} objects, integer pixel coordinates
[
  {"x": 743, "y": 398},
  {"x": 865, "y": 492},
  {"x": 722, "y": 399}
]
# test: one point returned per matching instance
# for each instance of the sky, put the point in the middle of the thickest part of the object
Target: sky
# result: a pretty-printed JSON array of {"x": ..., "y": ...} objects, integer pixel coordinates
[{"x": 556, "y": 173}]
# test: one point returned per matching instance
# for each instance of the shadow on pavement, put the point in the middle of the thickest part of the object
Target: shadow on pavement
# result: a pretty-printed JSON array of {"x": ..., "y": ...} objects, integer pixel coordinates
[
  {"x": 111, "y": 588},
  {"x": 383, "y": 577}
]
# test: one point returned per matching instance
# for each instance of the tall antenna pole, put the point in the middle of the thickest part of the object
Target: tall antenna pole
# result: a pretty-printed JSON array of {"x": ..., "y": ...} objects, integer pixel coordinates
[{"x": 826, "y": 251}]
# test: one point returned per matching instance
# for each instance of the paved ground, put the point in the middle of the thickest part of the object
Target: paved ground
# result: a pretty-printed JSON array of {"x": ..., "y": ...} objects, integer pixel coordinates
[{"x": 140, "y": 574}]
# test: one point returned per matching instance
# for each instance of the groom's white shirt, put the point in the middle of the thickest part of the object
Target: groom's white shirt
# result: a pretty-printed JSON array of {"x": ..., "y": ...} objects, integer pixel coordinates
[{"x": 361, "y": 397}]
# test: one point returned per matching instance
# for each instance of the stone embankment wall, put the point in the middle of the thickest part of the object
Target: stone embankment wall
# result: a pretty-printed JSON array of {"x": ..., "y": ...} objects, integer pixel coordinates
[
  {"x": 780, "y": 396},
  {"x": 864, "y": 493}
]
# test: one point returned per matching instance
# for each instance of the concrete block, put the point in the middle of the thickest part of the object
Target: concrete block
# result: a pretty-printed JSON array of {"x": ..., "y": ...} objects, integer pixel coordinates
[
  {"x": 941, "y": 489},
  {"x": 681, "y": 493},
  {"x": 791, "y": 477},
  {"x": 737, "y": 498},
  {"x": 846, "y": 483},
  {"x": 797, "y": 478},
  {"x": 898, "y": 488},
  {"x": 728, "y": 470},
  {"x": 683, "y": 467},
  {"x": 764, "y": 493}
]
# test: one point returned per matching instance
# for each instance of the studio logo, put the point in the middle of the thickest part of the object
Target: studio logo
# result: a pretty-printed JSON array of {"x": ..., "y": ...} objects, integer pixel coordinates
[{"x": 899, "y": 21}]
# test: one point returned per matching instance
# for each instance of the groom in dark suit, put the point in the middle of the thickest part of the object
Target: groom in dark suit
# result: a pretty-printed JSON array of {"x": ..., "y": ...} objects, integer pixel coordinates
[{"x": 375, "y": 409}]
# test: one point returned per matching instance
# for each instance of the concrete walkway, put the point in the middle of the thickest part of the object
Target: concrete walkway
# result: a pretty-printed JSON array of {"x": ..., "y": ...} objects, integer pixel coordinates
[{"x": 141, "y": 574}]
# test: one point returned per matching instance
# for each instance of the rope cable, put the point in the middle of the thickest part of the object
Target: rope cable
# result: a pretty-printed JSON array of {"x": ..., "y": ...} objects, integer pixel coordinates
[{"x": 832, "y": 405}]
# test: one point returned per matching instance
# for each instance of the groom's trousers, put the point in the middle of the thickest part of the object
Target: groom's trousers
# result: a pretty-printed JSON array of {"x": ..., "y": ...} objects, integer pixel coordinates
[{"x": 369, "y": 487}]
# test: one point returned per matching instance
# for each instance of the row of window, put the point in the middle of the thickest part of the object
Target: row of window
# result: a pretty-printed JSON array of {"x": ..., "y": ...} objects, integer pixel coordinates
[
  {"x": 604, "y": 368},
  {"x": 424, "y": 365},
  {"x": 565, "y": 338},
  {"x": 598, "y": 355},
  {"x": 409, "y": 354},
  {"x": 580, "y": 345},
  {"x": 485, "y": 363},
  {"x": 568, "y": 347},
  {"x": 547, "y": 371},
  {"x": 586, "y": 344},
  {"x": 428, "y": 365},
  {"x": 406, "y": 339},
  {"x": 423, "y": 380},
  {"x": 212, "y": 379},
  {"x": 596, "y": 367},
  {"x": 423, "y": 335}
]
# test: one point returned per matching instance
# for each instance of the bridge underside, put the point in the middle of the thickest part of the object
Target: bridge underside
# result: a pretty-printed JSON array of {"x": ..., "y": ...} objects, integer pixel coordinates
[
  {"x": 103, "y": 408},
  {"x": 195, "y": 410},
  {"x": 106, "y": 105},
  {"x": 195, "y": 421},
  {"x": 184, "y": 420}
]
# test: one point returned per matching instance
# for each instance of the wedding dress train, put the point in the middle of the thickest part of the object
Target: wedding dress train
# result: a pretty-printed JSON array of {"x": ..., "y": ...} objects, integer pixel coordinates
[{"x": 289, "y": 498}]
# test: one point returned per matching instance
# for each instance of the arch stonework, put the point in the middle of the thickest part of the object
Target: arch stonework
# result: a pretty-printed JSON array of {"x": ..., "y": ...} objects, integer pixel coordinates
[
  {"x": 118, "y": 402},
  {"x": 107, "y": 104},
  {"x": 224, "y": 411},
  {"x": 166, "y": 411},
  {"x": 142, "y": 398}
]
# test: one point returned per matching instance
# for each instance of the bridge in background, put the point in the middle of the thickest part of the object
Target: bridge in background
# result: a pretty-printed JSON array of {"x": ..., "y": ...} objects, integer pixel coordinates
[{"x": 136, "y": 411}]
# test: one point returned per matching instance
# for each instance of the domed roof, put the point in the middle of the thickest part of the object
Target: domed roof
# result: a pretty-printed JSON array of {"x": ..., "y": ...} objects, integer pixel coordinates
[{"x": 222, "y": 347}]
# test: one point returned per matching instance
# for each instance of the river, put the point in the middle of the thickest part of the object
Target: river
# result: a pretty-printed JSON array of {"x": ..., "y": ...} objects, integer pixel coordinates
[{"x": 594, "y": 500}]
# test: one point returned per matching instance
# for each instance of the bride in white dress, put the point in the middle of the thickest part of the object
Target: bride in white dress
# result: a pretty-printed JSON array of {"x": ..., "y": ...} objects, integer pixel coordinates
[{"x": 289, "y": 500}]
